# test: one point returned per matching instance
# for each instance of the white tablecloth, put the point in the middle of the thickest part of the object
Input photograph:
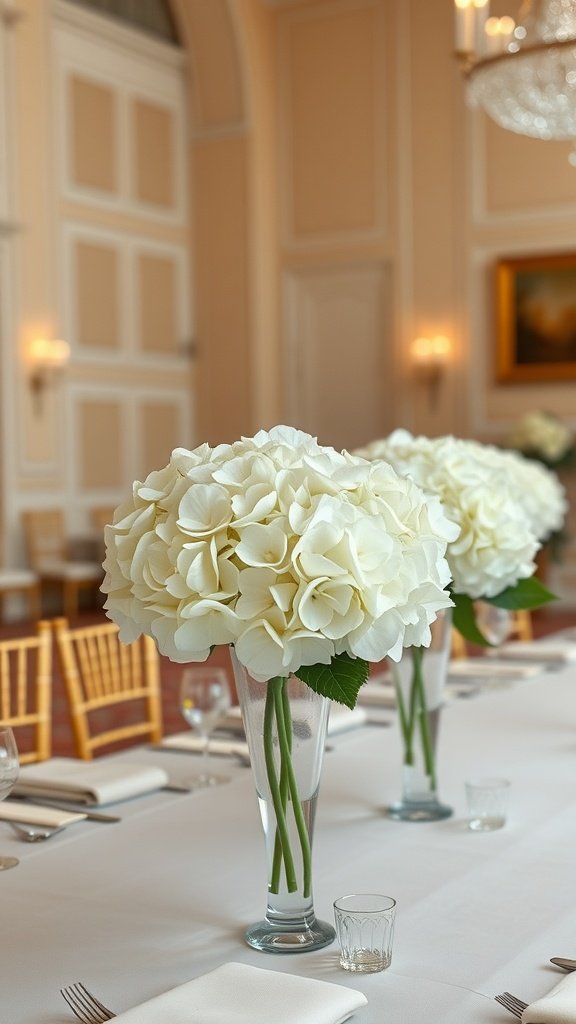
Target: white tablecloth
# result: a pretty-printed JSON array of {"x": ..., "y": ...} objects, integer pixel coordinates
[{"x": 135, "y": 908}]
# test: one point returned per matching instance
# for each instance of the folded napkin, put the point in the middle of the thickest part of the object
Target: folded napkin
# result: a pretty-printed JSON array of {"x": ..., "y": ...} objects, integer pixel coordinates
[
  {"x": 32, "y": 814},
  {"x": 241, "y": 994},
  {"x": 558, "y": 1007},
  {"x": 377, "y": 691},
  {"x": 478, "y": 667},
  {"x": 342, "y": 718},
  {"x": 195, "y": 744},
  {"x": 538, "y": 650},
  {"x": 89, "y": 782}
]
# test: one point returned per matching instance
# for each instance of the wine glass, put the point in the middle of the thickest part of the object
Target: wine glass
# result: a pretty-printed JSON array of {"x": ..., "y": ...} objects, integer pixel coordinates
[
  {"x": 9, "y": 769},
  {"x": 493, "y": 622},
  {"x": 204, "y": 700}
]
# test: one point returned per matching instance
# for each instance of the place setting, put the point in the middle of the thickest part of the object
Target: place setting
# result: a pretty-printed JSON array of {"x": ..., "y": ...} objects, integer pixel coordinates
[{"x": 558, "y": 1006}]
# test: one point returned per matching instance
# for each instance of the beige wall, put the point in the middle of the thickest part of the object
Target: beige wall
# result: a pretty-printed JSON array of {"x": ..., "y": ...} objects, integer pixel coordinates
[{"x": 343, "y": 201}]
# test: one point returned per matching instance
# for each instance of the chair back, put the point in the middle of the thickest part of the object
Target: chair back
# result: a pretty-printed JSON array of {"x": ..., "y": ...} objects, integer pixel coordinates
[
  {"x": 521, "y": 625},
  {"x": 113, "y": 689},
  {"x": 45, "y": 536},
  {"x": 101, "y": 517},
  {"x": 26, "y": 692}
]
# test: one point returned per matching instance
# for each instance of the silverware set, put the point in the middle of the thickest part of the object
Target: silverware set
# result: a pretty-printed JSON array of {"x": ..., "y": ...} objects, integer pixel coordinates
[
  {"x": 511, "y": 1003},
  {"x": 88, "y": 1009},
  {"x": 34, "y": 833},
  {"x": 516, "y": 1006}
]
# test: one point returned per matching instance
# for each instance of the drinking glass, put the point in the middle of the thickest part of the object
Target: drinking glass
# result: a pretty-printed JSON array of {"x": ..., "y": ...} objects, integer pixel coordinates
[
  {"x": 365, "y": 929},
  {"x": 9, "y": 769},
  {"x": 487, "y": 804},
  {"x": 204, "y": 700}
]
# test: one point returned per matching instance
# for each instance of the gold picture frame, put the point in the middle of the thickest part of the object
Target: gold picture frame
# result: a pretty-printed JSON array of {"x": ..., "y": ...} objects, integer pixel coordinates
[{"x": 536, "y": 319}]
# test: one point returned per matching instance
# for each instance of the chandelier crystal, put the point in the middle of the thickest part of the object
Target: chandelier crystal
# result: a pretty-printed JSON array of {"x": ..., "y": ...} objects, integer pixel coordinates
[{"x": 523, "y": 76}]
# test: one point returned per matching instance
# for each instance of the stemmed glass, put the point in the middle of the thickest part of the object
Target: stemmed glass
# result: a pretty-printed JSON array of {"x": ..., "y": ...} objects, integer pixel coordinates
[
  {"x": 493, "y": 622},
  {"x": 204, "y": 700},
  {"x": 9, "y": 769}
]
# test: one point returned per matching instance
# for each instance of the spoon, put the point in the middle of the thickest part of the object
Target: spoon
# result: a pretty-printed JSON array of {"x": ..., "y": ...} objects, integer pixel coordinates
[
  {"x": 564, "y": 962},
  {"x": 34, "y": 833}
]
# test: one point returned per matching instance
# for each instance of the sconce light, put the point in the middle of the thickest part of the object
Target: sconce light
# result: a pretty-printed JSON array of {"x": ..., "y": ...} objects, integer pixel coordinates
[
  {"x": 46, "y": 358},
  {"x": 10, "y": 12},
  {"x": 429, "y": 357}
]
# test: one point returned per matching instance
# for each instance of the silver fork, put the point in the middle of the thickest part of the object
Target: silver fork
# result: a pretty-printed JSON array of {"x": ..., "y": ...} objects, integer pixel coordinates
[
  {"x": 514, "y": 1005},
  {"x": 34, "y": 833},
  {"x": 85, "y": 1006}
]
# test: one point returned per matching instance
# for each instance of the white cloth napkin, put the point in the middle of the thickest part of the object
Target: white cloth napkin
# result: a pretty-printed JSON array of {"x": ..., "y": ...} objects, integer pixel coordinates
[
  {"x": 378, "y": 691},
  {"x": 89, "y": 782},
  {"x": 479, "y": 667},
  {"x": 538, "y": 650},
  {"x": 195, "y": 744},
  {"x": 342, "y": 718},
  {"x": 558, "y": 1007},
  {"x": 241, "y": 994},
  {"x": 32, "y": 814}
]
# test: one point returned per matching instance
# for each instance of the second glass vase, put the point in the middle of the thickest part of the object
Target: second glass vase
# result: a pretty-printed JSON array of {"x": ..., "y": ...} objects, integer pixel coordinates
[{"x": 420, "y": 678}]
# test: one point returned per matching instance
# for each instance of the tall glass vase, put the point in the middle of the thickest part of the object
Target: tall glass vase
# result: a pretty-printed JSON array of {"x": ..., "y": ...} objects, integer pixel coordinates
[
  {"x": 285, "y": 723},
  {"x": 420, "y": 677}
]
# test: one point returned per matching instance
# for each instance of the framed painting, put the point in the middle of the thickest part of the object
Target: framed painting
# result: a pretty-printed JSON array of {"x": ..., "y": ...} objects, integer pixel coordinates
[{"x": 536, "y": 319}]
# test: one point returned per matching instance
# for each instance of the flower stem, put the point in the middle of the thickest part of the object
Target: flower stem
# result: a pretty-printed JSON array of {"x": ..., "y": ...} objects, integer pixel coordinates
[
  {"x": 274, "y": 686},
  {"x": 284, "y": 789},
  {"x": 416, "y": 711},
  {"x": 284, "y": 720},
  {"x": 423, "y": 719},
  {"x": 277, "y": 856}
]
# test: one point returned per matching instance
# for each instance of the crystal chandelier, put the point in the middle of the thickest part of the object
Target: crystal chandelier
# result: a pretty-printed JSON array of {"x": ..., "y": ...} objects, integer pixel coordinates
[{"x": 523, "y": 75}]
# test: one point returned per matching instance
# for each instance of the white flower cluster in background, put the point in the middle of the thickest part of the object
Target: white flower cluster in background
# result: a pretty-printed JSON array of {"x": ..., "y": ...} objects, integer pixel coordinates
[
  {"x": 542, "y": 435},
  {"x": 497, "y": 540},
  {"x": 291, "y": 551},
  {"x": 539, "y": 490}
]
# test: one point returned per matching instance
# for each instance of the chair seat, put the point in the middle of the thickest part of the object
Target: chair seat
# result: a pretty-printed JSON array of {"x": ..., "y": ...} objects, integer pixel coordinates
[
  {"x": 70, "y": 570},
  {"x": 15, "y": 578}
]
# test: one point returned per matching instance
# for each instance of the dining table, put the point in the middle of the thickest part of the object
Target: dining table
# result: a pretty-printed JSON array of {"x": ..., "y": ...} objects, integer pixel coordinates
[{"x": 139, "y": 906}]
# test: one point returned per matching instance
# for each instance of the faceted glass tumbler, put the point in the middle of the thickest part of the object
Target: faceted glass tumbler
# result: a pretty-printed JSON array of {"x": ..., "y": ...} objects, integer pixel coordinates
[{"x": 365, "y": 930}]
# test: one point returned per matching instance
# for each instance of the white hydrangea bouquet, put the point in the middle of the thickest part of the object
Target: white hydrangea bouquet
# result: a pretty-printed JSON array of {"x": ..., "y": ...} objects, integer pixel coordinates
[
  {"x": 501, "y": 509},
  {"x": 543, "y": 436},
  {"x": 482, "y": 491},
  {"x": 545, "y": 444},
  {"x": 305, "y": 560}
]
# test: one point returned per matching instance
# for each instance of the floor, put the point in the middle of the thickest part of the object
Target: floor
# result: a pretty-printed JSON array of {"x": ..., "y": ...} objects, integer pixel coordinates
[{"x": 545, "y": 621}]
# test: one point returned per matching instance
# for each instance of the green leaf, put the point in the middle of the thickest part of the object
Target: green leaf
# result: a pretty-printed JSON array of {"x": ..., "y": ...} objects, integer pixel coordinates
[
  {"x": 340, "y": 680},
  {"x": 464, "y": 620},
  {"x": 527, "y": 594}
]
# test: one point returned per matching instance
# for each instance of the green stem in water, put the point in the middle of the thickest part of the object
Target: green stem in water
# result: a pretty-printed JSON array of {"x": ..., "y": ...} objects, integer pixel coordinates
[
  {"x": 274, "y": 687},
  {"x": 284, "y": 731},
  {"x": 277, "y": 856},
  {"x": 423, "y": 719},
  {"x": 407, "y": 717}
]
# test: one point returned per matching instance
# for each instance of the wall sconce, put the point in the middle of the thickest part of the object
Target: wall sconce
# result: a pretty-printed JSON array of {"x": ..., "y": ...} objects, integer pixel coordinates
[
  {"x": 10, "y": 12},
  {"x": 430, "y": 357},
  {"x": 46, "y": 358}
]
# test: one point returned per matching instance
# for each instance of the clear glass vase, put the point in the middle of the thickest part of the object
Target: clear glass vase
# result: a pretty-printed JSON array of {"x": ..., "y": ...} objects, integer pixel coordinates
[
  {"x": 420, "y": 678},
  {"x": 285, "y": 723}
]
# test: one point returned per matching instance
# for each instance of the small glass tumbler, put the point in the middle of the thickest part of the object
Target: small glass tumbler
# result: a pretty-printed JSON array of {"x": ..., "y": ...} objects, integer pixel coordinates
[
  {"x": 365, "y": 930},
  {"x": 487, "y": 804}
]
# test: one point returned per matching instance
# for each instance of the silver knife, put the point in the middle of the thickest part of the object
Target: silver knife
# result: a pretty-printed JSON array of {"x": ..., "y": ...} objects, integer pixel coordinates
[
  {"x": 564, "y": 962},
  {"x": 90, "y": 815}
]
